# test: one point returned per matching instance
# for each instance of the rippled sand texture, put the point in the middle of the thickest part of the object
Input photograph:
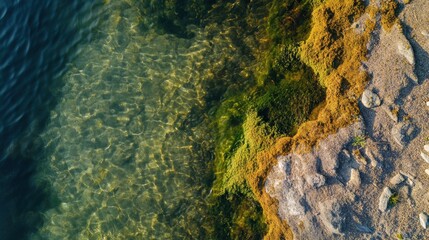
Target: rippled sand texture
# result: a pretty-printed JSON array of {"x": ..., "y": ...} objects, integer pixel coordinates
[{"x": 119, "y": 160}]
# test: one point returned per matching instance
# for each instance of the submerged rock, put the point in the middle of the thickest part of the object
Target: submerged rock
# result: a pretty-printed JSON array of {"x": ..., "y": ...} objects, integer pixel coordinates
[
  {"x": 427, "y": 171},
  {"x": 426, "y": 148},
  {"x": 384, "y": 199},
  {"x": 423, "y": 219},
  {"x": 370, "y": 99}
]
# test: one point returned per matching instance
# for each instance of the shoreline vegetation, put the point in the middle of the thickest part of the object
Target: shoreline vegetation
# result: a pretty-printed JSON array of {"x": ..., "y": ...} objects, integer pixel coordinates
[
  {"x": 308, "y": 83},
  {"x": 298, "y": 81},
  {"x": 303, "y": 85}
]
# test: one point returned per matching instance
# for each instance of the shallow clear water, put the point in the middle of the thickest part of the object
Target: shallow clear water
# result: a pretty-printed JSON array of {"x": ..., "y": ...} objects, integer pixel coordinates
[{"x": 122, "y": 152}]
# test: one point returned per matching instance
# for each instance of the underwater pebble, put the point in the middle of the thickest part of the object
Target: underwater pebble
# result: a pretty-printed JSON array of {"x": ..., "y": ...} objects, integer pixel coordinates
[
  {"x": 426, "y": 147},
  {"x": 427, "y": 171},
  {"x": 425, "y": 33}
]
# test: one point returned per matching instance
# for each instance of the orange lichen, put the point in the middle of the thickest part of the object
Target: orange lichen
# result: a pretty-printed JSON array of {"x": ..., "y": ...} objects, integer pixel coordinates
[{"x": 389, "y": 11}]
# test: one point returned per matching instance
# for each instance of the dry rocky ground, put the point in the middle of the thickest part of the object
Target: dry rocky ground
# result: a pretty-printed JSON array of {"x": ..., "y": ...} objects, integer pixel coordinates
[{"x": 369, "y": 180}]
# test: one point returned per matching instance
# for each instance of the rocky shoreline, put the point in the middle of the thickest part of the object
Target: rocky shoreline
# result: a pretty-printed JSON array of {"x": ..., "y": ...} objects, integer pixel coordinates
[{"x": 369, "y": 180}]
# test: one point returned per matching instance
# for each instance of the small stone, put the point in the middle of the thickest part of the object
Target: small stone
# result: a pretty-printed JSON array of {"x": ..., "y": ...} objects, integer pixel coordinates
[
  {"x": 413, "y": 77},
  {"x": 424, "y": 156},
  {"x": 392, "y": 111},
  {"x": 427, "y": 171},
  {"x": 397, "y": 179},
  {"x": 355, "y": 180},
  {"x": 315, "y": 180},
  {"x": 408, "y": 175},
  {"x": 357, "y": 155},
  {"x": 403, "y": 132},
  {"x": 410, "y": 202},
  {"x": 425, "y": 198},
  {"x": 423, "y": 219},
  {"x": 372, "y": 159},
  {"x": 384, "y": 199},
  {"x": 363, "y": 229},
  {"x": 345, "y": 155},
  {"x": 370, "y": 99},
  {"x": 427, "y": 103},
  {"x": 405, "y": 49},
  {"x": 426, "y": 147},
  {"x": 410, "y": 182},
  {"x": 425, "y": 33}
]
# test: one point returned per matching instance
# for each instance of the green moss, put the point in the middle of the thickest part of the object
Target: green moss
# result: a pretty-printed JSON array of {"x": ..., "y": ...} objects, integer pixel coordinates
[
  {"x": 229, "y": 132},
  {"x": 248, "y": 121},
  {"x": 287, "y": 25},
  {"x": 238, "y": 217},
  {"x": 286, "y": 105},
  {"x": 288, "y": 21}
]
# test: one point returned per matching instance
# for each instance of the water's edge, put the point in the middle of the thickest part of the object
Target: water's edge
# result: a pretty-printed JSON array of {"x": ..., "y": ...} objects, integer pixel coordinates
[{"x": 151, "y": 117}]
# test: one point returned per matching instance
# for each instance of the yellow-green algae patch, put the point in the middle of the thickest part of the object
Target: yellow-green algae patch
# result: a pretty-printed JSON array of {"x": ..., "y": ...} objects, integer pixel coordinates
[
  {"x": 283, "y": 96},
  {"x": 334, "y": 51}
]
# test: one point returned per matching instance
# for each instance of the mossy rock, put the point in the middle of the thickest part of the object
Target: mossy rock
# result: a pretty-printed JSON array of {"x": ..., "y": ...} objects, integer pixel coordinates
[
  {"x": 286, "y": 105},
  {"x": 239, "y": 217}
]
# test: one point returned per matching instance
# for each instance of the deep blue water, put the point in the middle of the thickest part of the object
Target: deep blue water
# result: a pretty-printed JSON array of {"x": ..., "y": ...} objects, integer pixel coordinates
[{"x": 37, "y": 40}]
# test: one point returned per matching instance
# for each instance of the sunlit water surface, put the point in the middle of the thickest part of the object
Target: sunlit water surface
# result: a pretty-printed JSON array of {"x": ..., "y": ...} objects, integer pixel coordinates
[{"x": 123, "y": 156}]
